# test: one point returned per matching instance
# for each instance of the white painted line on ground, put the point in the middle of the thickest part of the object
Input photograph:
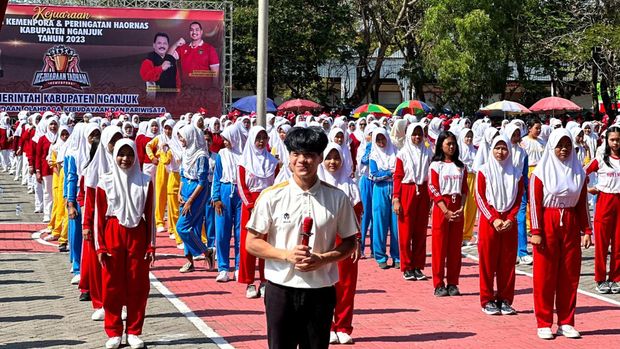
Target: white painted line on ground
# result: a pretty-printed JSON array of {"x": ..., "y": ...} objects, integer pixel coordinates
[
  {"x": 189, "y": 314},
  {"x": 579, "y": 290},
  {"x": 37, "y": 237}
]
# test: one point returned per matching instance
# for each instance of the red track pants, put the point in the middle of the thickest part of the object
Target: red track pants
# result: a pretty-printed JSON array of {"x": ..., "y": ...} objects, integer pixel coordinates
[
  {"x": 412, "y": 226},
  {"x": 345, "y": 295},
  {"x": 607, "y": 232},
  {"x": 247, "y": 262},
  {"x": 446, "y": 240},
  {"x": 125, "y": 277},
  {"x": 557, "y": 264},
  {"x": 90, "y": 279},
  {"x": 497, "y": 253}
]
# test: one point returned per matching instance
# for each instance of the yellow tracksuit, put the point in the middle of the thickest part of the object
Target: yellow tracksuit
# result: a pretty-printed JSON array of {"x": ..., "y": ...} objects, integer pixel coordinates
[
  {"x": 59, "y": 221},
  {"x": 172, "y": 190},
  {"x": 153, "y": 150},
  {"x": 471, "y": 210}
]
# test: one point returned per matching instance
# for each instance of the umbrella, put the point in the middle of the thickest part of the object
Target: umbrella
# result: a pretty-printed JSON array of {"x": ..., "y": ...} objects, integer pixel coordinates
[
  {"x": 505, "y": 108},
  {"x": 554, "y": 104},
  {"x": 298, "y": 105},
  {"x": 370, "y": 108},
  {"x": 412, "y": 107},
  {"x": 248, "y": 105}
]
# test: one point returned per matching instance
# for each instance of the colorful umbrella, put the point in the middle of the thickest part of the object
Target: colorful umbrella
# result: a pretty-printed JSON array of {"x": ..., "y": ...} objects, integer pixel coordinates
[
  {"x": 505, "y": 108},
  {"x": 248, "y": 105},
  {"x": 376, "y": 109},
  {"x": 413, "y": 107},
  {"x": 299, "y": 105},
  {"x": 554, "y": 104}
]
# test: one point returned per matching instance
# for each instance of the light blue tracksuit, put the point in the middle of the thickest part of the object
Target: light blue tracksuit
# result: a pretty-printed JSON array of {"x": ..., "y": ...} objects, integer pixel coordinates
[
  {"x": 383, "y": 217},
  {"x": 70, "y": 192},
  {"x": 230, "y": 219}
]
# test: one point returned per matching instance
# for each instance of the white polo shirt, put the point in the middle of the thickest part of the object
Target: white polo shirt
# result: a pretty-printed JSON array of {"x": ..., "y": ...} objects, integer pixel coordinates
[{"x": 279, "y": 213}]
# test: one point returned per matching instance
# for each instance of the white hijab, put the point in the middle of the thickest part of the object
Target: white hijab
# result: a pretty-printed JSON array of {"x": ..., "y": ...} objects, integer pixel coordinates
[
  {"x": 195, "y": 147},
  {"x": 485, "y": 148},
  {"x": 127, "y": 134},
  {"x": 346, "y": 157},
  {"x": 384, "y": 157},
  {"x": 149, "y": 133},
  {"x": 416, "y": 158},
  {"x": 197, "y": 117},
  {"x": 518, "y": 153},
  {"x": 229, "y": 157},
  {"x": 59, "y": 146},
  {"x": 467, "y": 152},
  {"x": 502, "y": 178},
  {"x": 341, "y": 177},
  {"x": 398, "y": 133},
  {"x": 81, "y": 150},
  {"x": 258, "y": 162},
  {"x": 435, "y": 128},
  {"x": 102, "y": 160},
  {"x": 142, "y": 128},
  {"x": 126, "y": 190},
  {"x": 562, "y": 179}
]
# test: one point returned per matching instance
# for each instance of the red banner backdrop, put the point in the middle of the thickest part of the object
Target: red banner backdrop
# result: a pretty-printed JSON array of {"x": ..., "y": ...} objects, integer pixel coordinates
[{"x": 90, "y": 59}]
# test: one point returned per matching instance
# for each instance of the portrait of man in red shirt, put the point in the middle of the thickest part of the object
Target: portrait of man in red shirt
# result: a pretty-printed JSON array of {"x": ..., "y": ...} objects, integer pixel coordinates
[{"x": 199, "y": 60}]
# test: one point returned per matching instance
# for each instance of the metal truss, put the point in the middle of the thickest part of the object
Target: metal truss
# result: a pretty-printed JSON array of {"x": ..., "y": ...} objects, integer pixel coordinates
[{"x": 226, "y": 6}]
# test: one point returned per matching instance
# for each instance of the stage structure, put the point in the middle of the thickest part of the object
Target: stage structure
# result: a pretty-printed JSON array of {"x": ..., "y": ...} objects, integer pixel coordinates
[{"x": 74, "y": 64}]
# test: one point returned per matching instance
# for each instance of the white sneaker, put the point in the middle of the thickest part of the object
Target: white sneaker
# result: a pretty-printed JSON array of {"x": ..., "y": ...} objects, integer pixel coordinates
[
  {"x": 545, "y": 333},
  {"x": 30, "y": 191},
  {"x": 113, "y": 343},
  {"x": 526, "y": 260},
  {"x": 50, "y": 237},
  {"x": 344, "y": 338},
  {"x": 181, "y": 246},
  {"x": 261, "y": 290},
  {"x": 134, "y": 341},
  {"x": 124, "y": 314},
  {"x": 222, "y": 276},
  {"x": 236, "y": 275},
  {"x": 75, "y": 280},
  {"x": 333, "y": 338},
  {"x": 172, "y": 237},
  {"x": 568, "y": 331},
  {"x": 251, "y": 292},
  {"x": 98, "y": 315},
  {"x": 161, "y": 229}
]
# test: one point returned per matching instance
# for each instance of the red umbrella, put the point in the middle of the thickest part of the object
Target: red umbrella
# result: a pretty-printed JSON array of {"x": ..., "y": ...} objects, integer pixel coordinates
[
  {"x": 299, "y": 105},
  {"x": 554, "y": 104}
]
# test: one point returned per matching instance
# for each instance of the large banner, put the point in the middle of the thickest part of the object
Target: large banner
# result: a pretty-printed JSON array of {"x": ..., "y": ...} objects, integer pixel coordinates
[{"x": 91, "y": 59}]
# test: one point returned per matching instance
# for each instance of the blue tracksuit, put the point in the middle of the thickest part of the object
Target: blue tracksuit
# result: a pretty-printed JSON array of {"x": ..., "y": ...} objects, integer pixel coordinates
[
  {"x": 383, "y": 217},
  {"x": 366, "y": 186},
  {"x": 209, "y": 210},
  {"x": 75, "y": 225},
  {"x": 189, "y": 227},
  {"x": 521, "y": 219},
  {"x": 230, "y": 219}
]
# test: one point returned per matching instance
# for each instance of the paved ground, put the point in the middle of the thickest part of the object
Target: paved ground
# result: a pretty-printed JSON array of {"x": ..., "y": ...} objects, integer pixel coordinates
[{"x": 390, "y": 312}]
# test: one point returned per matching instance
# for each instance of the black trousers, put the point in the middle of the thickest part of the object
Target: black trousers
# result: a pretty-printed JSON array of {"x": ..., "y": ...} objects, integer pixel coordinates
[{"x": 298, "y": 316}]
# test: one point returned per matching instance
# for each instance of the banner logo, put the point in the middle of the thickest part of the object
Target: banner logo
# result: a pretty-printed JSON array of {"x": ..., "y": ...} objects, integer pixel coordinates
[{"x": 61, "y": 69}]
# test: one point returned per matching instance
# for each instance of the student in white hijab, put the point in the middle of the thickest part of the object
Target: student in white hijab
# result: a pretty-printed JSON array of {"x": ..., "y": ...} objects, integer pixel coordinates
[
  {"x": 434, "y": 129},
  {"x": 581, "y": 148},
  {"x": 499, "y": 187},
  {"x": 382, "y": 165},
  {"x": 559, "y": 214},
  {"x": 257, "y": 170},
  {"x": 339, "y": 136},
  {"x": 127, "y": 247},
  {"x": 332, "y": 171},
  {"x": 155, "y": 150},
  {"x": 43, "y": 170},
  {"x": 411, "y": 202},
  {"x": 484, "y": 150},
  {"x": 467, "y": 155},
  {"x": 278, "y": 149},
  {"x": 397, "y": 133},
  {"x": 172, "y": 156}
]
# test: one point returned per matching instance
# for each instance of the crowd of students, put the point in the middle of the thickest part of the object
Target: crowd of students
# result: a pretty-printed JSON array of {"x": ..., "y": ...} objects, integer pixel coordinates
[{"x": 108, "y": 185}]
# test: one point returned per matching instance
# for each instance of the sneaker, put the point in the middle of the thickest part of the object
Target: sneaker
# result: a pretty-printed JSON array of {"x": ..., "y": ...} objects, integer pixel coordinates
[
  {"x": 344, "y": 338},
  {"x": 134, "y": 341},
  {"x": 210, "y": 258},
  {"x": 453, "y": 290},
  {"x": 50, "y": 238},
  {"x": 187, "y": 268},
  {"x": 181, "y": 246},
  {"x": 409, "y": 275},
  {"x": 236, "y": 275},
  {"x": 84, "y": 297},
  {"x": 507, "y": 309},
  {"x": 161, "y": 229},
  {"x": 98, "y": 315},
  {"x": 333, "y": 338},
  {"x": 199, "y": 258},
  {"x": 31, "y": 191},
  {"x": 222, "y": 276},
  {"x": 396, "y": 266},
  {"x": 419, "y": 275},
  {"x": 63, "y": 248},
  {"x": 75, "y": 279},
  {"x": 47, "y": 220},
  {"x": 251, "y": 292},
  {"x": 615, "y": 287},
  {"x": 384, "y": 265},
  {"x": 441, "y": 292},
  {"x": 526, "y": 260},
  {"x": 113, "y": 343},
  {"x": 172, "y": 237},
  {"x": 568, "y": 331},
  {"x": 261, "y": 290},
  {"x": 545, "y": 333},
  {"x": 603, "y": 287},
  {"x": 124, "y": 314},
  {"x": 491, "y": 309}
]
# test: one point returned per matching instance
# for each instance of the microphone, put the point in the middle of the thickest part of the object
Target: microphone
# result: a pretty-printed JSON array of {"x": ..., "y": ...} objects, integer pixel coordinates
[{"x": 306, "y": 230}]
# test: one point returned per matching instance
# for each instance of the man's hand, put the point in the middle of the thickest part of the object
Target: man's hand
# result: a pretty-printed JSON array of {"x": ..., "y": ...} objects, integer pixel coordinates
[
  {"x": 180, "y": 42},
  {"x": 314, "y": 262},
  {"x": 165, "y": 65},
  {"x": 297, "y": 254}
]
